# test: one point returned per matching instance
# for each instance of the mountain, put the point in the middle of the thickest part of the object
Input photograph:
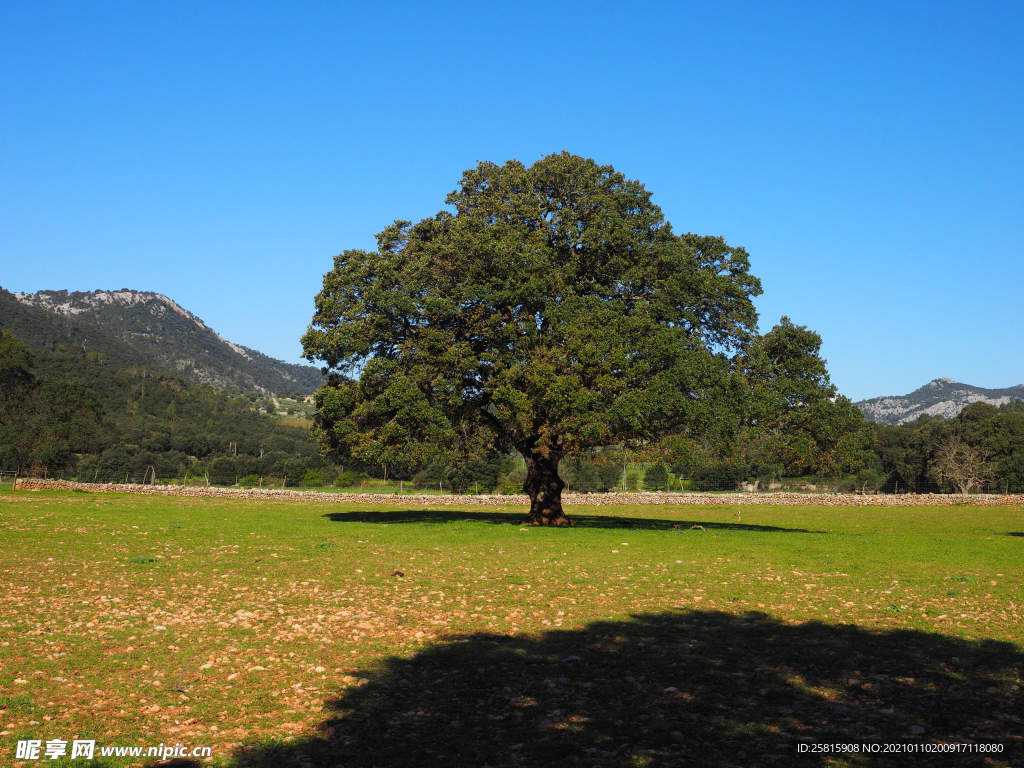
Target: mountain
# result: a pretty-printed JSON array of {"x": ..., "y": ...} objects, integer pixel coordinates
[
  {"x": 140, "y": 328},
  {"x": 941, "y": 397}
]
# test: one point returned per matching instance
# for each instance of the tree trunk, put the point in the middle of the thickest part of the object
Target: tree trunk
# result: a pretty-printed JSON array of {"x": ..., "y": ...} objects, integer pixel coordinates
[{"x": 544, "y": 487}]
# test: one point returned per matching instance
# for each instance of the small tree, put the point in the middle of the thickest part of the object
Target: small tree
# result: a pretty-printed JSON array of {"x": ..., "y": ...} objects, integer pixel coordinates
[
  {"x": 552, "y": 311},
  {"x": 959, "y": 464},
  {"x": 656, "y": 477}
]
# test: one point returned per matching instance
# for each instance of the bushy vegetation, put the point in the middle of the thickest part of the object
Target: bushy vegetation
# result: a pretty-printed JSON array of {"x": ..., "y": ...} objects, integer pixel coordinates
[
  {"x": 70, "y": 412},
  {"x": 74, "y": 414},
  {"x": 983, "y": 447}
]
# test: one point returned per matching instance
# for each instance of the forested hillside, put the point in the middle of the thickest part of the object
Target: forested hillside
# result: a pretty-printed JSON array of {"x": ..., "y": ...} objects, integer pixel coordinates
[
  {"x": 75, "y": 413},
  {"x": 151, "y": 330}
]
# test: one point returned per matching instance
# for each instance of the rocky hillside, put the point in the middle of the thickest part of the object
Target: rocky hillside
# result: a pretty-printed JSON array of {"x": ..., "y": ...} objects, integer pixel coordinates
[
  {"x": 941, "y": 397},
  {"x": 148, "y": 329}
]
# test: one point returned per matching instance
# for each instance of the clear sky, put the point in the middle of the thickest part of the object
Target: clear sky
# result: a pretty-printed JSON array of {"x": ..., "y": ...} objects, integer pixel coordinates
[{"x": 867, "y": 155}]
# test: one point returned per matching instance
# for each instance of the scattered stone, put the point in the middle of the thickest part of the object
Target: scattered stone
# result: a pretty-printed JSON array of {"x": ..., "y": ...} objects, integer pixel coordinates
[
  {"x": 568, "y": 499},
  {"x": 917, "y": 730},
  {"x": 571, "y": 658}
]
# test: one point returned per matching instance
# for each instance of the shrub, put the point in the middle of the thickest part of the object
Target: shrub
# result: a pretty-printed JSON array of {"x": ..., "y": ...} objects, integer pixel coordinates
[
  {"x": 222, "y": 471},
  {"x": 250, "y": 480},
  {"x": 346, "y": 479},
  {"x": 313, "y": 479}
]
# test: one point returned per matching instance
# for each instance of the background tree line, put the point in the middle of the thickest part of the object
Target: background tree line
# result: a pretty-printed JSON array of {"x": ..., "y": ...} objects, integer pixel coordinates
[
  {"x": 982, "y": 448},
  {"x": 71, "y": 413}
]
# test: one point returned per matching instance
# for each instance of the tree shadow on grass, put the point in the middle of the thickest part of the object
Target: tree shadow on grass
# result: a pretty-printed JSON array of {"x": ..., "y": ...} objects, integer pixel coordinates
[
  {"x": 671, "y": 689},
  {"x": 1019, "y": 534},
  {"x": 443, "y": 516}
]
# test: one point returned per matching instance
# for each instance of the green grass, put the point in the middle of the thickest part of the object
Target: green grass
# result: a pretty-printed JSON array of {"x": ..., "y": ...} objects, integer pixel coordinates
[{"x": 249, "y": 626}]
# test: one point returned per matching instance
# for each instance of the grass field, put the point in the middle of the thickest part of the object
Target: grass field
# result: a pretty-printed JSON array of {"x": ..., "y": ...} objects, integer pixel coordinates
[{"x": 284, "y": 633}]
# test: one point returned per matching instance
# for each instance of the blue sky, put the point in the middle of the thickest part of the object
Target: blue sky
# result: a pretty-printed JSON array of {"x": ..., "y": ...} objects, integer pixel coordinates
[{"x": 867, "y": 155}]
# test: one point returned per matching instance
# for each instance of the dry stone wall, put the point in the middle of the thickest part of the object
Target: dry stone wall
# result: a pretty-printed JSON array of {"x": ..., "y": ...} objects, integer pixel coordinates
[{"x": 568, "y": 499}]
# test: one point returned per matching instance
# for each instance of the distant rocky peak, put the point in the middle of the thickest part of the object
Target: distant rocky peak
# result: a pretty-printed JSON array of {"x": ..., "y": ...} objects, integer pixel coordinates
[
  {"x": 72, "y": 303},
  {"x": 939, "y": 397},
  {"x": 157, "y": 331}
]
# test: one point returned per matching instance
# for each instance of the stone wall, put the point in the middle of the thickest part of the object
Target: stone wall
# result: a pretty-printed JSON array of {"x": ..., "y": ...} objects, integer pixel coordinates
[{"x": 568, "y": 499}]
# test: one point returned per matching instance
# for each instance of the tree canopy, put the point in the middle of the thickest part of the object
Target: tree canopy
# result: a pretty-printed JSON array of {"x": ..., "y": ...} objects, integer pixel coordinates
[
  {"x": 801, "y": 423},
  {"x": 551, "y": 310},
  {"x": 42, "y": 423},
  {"x": 778, "y": 414}
]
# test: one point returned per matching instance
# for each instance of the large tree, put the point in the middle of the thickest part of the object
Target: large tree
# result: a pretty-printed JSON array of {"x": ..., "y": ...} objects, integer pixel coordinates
[{"x": 551, "y": 310}]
